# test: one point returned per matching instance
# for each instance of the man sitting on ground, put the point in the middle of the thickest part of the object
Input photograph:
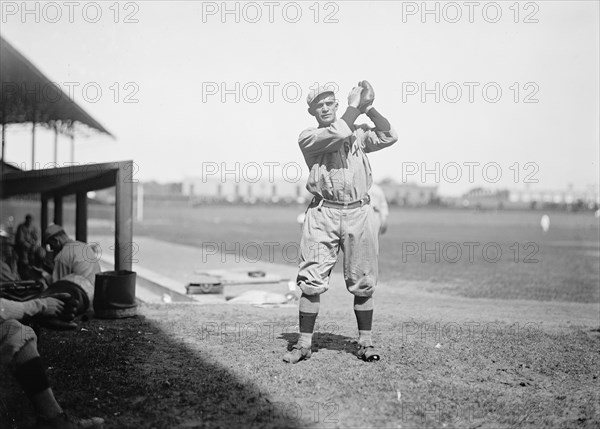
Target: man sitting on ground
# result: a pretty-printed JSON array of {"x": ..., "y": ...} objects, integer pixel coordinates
[{"x": 18, "y": 350}]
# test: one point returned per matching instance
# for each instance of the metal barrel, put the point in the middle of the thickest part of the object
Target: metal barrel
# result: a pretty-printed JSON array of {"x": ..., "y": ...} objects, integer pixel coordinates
[{"x": 114, "y": 294}]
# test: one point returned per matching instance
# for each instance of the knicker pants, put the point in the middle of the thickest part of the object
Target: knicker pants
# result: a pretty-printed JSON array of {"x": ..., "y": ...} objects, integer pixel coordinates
[
  {"x": 325, "y": 232},
  {"x": 13, "y": 336}
]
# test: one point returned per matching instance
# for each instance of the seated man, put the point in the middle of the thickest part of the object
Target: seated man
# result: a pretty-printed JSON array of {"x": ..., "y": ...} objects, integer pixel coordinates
[
  {"x": 26, "y": 241},
  {"x": 70, "y": 256},
  {"x": 8, "y": 266},
  {"x": 18, "y": 349}
]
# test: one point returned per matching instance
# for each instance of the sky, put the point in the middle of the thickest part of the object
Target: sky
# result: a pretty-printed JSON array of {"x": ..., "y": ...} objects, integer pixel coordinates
[{"x": 492, "y": 94}]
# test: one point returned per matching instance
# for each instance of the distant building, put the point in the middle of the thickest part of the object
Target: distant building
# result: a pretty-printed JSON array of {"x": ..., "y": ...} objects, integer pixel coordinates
[
  {"x": 162, "y": 189},
  {"x": 214, "y": 189},
  {"x": 481, "y": 198},
  {"x": 498, "y": 199},
  {"x": 554, "y": 197},
  {"x": 152, "y": 191},
  {"x": 409, "y": 194}
]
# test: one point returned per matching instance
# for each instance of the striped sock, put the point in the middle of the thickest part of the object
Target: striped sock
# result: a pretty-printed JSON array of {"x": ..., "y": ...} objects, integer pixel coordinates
[
  {"x": 309, "y": 309},
  {"x": 363, "y": 309}
]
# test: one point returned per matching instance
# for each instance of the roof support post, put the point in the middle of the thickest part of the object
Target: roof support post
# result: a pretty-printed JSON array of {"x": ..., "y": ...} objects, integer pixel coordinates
[
  {"x": 58, "y": 210},
  {"x": 33, "y": 143},
  {"x": 72, "y": 146},
  {"x": 55, "y": 144},
  {"x": 124, "y": 217},
  {"x": 81, "y": 217},
  {"x": 3, "y": 138},
  {"x": 44, "y": 214}
]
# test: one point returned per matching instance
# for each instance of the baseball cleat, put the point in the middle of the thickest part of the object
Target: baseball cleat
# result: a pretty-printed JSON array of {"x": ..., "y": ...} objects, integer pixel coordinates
[
  {"x": 367, "y": 353},
  {"x": 297, "y": 354}
]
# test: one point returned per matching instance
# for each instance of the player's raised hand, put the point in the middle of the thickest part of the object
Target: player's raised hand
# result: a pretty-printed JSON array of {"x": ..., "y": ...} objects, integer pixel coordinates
[
  {"x": 367, "y": 96},
  {"x": 354, "y": 96}
]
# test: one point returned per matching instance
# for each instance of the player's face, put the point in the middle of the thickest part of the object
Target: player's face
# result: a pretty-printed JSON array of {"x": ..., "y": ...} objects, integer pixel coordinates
[
  {"x": 54, "y": 244},
  {"x": 324, "y": 109}
]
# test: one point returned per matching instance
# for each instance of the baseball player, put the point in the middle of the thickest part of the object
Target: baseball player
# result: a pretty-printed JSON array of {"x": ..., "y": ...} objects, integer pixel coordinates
[
  {"x": 340, "y": 216},
  {"x": 70, "y": 256},
  {"x": 380, "y": 206},
  {"x": 18, "y": 351}
]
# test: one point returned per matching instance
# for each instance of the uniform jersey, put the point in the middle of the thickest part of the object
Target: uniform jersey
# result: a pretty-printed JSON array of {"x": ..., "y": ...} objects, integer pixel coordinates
[
  {"x": 337, "y": 160},
  {"x": 76, "y": 258}
]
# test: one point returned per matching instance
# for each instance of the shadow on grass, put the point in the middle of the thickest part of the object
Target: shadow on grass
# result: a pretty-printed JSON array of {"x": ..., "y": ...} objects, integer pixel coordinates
[
  {"x": 324, "y": 340},
  {"x": 133, "y": 375}
]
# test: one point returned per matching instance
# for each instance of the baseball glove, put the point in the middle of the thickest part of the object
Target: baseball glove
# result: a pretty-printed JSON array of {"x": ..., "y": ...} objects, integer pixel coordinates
[{"x": 367, "y": 95}]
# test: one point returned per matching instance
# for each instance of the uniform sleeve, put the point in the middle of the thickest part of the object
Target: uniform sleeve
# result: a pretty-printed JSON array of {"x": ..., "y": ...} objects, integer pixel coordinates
[
  {"x": 71, "y": 260},
  {"x": 7, "y": 274},
  {"x": 375, "y": 140},
  {"x": 62, "y": 263},
  {"x": 315, "y": 141},
  {"x": 87, "y": 269},
  {"x": 18, "y": 310}
]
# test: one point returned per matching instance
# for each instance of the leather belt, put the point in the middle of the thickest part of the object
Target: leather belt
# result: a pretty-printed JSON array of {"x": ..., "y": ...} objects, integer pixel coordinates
[{"x": 343, "y": 205}]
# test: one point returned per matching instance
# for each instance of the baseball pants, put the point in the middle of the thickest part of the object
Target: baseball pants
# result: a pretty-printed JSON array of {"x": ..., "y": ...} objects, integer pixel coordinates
[
  {"x": 328, "y": 230},
  {"x": 13, "y": 336}
]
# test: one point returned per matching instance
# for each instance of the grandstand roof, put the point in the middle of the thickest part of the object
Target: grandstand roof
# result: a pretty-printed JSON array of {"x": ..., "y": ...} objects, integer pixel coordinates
[{"x": 29, "y": 96}]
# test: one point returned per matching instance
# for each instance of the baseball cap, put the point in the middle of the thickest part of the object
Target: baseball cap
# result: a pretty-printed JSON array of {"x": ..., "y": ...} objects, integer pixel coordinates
[
  {"x": 51, "y": 231},
  {"x": 313, "y": 94}
]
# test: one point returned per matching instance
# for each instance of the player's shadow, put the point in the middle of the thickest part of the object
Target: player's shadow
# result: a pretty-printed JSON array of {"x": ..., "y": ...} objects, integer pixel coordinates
[{"x": 324, "y": 340}]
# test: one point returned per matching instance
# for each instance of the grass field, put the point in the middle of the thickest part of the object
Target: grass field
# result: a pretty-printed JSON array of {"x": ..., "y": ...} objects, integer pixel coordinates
[
  {"x": 475, "y": 343},
  {"x": 501, "y": 255}
]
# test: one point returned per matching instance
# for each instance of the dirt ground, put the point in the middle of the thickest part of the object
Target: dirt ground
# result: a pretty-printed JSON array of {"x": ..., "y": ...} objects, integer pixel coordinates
[
  {"x": 447, "y": 362},
  {"x": 473, "y": 344}
]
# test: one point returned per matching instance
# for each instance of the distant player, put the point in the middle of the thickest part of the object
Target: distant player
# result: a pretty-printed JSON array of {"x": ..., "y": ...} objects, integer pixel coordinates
[
  {"x": 340, "y": 216},
  {"x": 380, "y": 205},
  {"x": 26, "y": 241}
]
